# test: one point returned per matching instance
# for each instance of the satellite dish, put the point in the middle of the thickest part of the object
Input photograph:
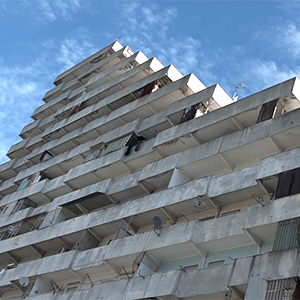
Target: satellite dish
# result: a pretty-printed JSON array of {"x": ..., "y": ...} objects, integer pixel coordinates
[
  {"x": 158, "y": 225},
  {"x": 24, "y": 281}
]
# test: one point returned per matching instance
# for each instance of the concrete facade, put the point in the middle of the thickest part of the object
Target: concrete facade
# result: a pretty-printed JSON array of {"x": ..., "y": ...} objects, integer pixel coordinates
[{"x": 122, "y": 141}]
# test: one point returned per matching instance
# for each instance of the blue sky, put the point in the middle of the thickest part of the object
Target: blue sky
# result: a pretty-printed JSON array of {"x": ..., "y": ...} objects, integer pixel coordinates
[{"x": 225, "y": 42}]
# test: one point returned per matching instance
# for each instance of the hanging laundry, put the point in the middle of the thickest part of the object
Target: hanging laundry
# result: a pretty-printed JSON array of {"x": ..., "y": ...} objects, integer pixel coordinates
[
  {"x": 150, "y": 88},
  {"x": 189, "y": 113},
  {"x": 74, "y": 110}
]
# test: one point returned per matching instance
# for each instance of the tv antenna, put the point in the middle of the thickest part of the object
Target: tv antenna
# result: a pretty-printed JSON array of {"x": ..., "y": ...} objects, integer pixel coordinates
[{"x": 240, "y": 85}]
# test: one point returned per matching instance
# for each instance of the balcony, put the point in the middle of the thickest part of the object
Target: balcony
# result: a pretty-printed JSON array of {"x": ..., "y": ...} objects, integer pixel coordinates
[
  {"x": 50, "y": 107},
  {"x": 79, "y": 68},
  {"x": 112, "y": 70},
  {"x": 225, "y": 120},
  {"x": 53, "y": 93}
]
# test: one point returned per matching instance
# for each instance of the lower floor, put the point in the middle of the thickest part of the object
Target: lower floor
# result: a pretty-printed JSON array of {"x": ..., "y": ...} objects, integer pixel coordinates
[{"x": 272, "y": 275}]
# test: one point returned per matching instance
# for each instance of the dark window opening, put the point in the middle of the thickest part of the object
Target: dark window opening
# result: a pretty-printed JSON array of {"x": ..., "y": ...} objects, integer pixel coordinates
[
  {"x": 85, "y": 205},
  {"x": 288, "y": 183},
  {"x": 267, "y": 111}
]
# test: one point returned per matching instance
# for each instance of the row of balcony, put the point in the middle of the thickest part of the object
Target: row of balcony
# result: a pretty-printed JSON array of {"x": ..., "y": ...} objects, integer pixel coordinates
[
  {"x": 60, "y": 108},
  {"x": 230, "y": 152},
  {"x": 172, "y": 205},
  {"x": 88, "y": 114},
  {"x": 177, "y": 244},
  {"x": 10, "y": 168},
  {"x": 77, "y": 70},
  {"x": 196, "y": 126}
]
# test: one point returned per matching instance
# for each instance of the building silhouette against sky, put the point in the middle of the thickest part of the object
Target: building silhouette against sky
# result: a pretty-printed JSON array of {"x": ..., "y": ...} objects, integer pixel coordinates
[{"x": 136, "y": 182}]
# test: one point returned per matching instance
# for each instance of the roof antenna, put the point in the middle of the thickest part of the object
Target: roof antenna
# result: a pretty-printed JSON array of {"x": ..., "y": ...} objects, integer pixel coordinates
[{"x": 240, "y": 85}]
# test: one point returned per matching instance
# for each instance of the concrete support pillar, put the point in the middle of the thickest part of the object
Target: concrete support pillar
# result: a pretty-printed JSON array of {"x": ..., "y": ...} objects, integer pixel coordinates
[{"x": 257, "y": 287}]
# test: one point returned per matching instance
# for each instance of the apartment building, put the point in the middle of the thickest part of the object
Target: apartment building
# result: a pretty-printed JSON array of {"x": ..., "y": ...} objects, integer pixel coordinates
[{"x": 136, "y": 182}]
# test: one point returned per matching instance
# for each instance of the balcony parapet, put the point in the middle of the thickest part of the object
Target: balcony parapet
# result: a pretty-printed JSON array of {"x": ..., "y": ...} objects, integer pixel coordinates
[
  {"x": 77, "y": 69},
  {"x": 214, "y": 282}
]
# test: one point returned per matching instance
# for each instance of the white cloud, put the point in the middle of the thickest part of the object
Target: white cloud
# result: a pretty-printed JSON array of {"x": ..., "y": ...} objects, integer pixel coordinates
[
  {"x": 66, "y": 8},
  {"x": 256, "y": 74},
  {"x": 150, "y": 34},
  {"x": 72, "y": 51},
  {"x": 19, "y": 92},
  {"x": 23, "y": 86},
  {"x": 66, "y": 53},
  {"x": 51, "y": 10},
  {"x": 46, "y": 10},
  {"x": 289, "y": 38},
  {"x": 266, "y": 73}
]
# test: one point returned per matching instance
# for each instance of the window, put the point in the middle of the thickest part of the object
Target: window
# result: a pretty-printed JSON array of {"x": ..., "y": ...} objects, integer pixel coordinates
[
  {"x": 10, "y": 231},
  {"x": 21, "y": 227},
  {"x": 96, "y": 152},
  {"x": 23, "y": 204},
  {"x": 283, "y": 289},
  {"x": 36, "y": 222},
  {"x": 267, "y": 111},
  {"x": 207, "y": 218},
  {"x": 228, "y": 213},
  {"x": 117, "y": 144},
  {"x": 288, "y": 183},
  {"x": 216, "y": 263},
  {"x": 4, "y": 209},
  {"x": 287, "y": 235},
  {"x": 130, "y": 141},
  {"x": 34, "y": 178}
]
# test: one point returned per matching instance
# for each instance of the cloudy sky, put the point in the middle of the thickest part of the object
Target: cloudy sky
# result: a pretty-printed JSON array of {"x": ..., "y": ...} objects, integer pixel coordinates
[{"x": 225, "y": 42}]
